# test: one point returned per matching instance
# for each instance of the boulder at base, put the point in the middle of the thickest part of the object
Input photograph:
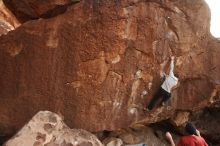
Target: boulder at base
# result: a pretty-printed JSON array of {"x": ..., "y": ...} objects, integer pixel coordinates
[{"x": 48, "y": 129}]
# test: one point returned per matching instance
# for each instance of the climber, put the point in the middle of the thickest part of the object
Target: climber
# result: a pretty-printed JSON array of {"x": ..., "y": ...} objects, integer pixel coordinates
[
  {"x": 193, "y": 137},
  {"x": 165, "y": 89}
]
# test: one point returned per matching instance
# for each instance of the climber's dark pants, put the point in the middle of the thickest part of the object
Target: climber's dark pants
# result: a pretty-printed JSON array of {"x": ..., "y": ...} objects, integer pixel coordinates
[{"x": 161, "y": 93}]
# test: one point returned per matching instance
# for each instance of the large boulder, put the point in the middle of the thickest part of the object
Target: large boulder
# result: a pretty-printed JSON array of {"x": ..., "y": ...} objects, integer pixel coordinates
[
  {"x": 100, "y": 61},
  {"x": 48, "y": 129}
]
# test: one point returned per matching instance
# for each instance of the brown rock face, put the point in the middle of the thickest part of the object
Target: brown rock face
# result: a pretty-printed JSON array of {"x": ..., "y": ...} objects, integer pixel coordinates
[
  {"x": 96, "y": 63},
  {"x": 33, "y": 9}
]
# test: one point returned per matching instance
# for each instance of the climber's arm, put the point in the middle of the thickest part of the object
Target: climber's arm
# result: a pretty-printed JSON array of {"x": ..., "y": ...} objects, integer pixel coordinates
[
  {"x": 170, "y": 139},
  {"x": 198, "y": 133},
  {"x": 171, "y": 66}
]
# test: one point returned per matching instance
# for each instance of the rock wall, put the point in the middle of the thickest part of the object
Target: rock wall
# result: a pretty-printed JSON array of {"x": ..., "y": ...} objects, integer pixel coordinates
[{"x": 99, "y": 63}]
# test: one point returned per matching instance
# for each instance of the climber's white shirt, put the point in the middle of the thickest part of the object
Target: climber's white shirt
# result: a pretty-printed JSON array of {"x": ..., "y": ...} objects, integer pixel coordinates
[
  {"x": 169, "y": 83},
  {"x": 170, "y": 80}
]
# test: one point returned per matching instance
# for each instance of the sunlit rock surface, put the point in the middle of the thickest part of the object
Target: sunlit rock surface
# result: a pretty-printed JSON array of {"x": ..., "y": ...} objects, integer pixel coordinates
[
  {"x": 99, "y": 63},
  {"x": 48, "y": 129},
  {"x": 8, "y": 21}
]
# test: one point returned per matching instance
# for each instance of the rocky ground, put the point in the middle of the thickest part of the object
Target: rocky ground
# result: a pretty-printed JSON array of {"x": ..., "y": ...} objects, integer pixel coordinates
[{"x": 98, "y": 63}]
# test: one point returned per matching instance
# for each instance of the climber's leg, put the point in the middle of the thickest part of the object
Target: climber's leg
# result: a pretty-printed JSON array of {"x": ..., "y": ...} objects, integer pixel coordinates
[
  {"x": 166, "y": 96},
  {"x": 155, "y": 99}
]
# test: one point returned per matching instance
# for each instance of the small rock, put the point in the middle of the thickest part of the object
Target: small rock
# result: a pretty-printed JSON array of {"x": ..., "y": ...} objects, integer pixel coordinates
[{"x": 113, "y": 142}]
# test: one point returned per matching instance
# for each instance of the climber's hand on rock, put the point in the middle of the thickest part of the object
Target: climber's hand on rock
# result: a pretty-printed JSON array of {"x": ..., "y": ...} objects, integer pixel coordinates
[{"x": 172, "y": 57}]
